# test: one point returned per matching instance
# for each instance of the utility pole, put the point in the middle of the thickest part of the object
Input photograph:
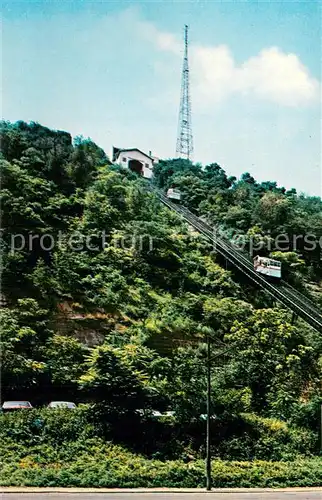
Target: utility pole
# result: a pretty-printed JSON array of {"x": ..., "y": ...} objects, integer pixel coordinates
[
  {"x": 184, "y": 147},
  {"x": 208, "y": 454},
  {"x": 321, "y": 428}
]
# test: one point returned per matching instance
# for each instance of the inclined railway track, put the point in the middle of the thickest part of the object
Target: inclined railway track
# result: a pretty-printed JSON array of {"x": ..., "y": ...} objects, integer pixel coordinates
[{"x": 282, "y": 291}]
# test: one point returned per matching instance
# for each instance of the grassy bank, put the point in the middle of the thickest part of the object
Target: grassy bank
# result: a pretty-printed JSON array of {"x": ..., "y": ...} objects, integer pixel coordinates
[
  {"x": 94, "y": 463},
  {"x": 71, "y": 449}
]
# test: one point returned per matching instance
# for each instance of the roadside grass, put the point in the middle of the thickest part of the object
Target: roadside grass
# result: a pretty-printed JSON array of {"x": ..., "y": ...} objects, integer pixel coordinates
[
  {"x": 95, "y": 463},
  {"x": 47, "y": 448}
]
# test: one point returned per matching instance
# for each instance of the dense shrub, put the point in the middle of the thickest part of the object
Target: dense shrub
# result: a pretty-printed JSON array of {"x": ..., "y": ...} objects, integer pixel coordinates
[
  {"x": 243, "y": 437},
  {"x": 240, "y": 437},
  {"x": 255, "y": 437},
  {"x": 47, "y": 425},
  {"x": 93, "y": 463}
]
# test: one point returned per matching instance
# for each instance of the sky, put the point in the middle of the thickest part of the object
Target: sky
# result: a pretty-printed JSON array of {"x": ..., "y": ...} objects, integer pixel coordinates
[{"x": 111, "y": 71}]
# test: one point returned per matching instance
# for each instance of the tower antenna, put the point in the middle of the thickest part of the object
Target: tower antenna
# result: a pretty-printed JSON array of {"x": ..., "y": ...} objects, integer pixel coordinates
[{"x": 184, "y": 147}]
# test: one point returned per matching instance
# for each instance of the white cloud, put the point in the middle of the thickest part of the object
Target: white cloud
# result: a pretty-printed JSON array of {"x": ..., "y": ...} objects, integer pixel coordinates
[
  {"x": 163, "y": 40},
  {"x": 272, "y": 74},
  {"x": 213, "y": 73},
  {"x": 277, "y": 76}
]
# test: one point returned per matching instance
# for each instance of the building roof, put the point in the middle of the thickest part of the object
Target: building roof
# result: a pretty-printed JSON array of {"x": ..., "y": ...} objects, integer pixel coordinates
[{"x": 118, "y": 151}]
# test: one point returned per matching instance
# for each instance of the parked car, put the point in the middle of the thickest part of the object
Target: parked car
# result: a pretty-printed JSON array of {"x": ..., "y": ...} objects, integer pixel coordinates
[
  {"x": 62, "y": 404},
  {"x": 203, "y": 416},
  {"x": 155, "y": 413},
  {"x": 16, "y": 405}
]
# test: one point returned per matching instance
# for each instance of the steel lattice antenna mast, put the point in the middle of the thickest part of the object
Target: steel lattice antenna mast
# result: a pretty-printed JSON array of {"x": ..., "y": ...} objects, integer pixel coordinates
[{"x": 184, "y": 147}]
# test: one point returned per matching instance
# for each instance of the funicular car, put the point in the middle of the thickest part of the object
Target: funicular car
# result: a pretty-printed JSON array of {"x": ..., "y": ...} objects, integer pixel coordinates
[
  {"x": 268, "y": 267},
  {"x": 174, "y": 194}
]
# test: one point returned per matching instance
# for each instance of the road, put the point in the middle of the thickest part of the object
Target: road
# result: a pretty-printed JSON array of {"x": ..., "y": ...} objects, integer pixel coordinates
[{"x": 271, "y": 495}]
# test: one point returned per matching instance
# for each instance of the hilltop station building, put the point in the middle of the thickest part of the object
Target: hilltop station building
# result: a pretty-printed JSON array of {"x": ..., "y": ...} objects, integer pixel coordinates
[{"x": 135, "y": 159}]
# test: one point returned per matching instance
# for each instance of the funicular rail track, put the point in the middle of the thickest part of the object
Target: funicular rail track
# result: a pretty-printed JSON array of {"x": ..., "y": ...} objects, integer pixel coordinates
[{"x": 282, "y": 291}]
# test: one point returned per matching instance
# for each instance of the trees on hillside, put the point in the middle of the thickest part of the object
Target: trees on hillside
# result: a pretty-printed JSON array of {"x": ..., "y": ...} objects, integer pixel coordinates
[
  {"x": 243, "y": 205},
  {"x": 115, "y": 309}
]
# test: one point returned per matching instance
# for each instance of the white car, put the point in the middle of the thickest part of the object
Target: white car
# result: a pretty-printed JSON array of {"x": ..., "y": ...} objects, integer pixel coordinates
[
  {"x": 16, "y": 405},
  {"x": 62, "y": 404},
  {"x": 155, "y": 413}
]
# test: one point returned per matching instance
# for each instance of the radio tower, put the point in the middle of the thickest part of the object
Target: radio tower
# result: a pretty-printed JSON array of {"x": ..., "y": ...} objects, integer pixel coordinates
[{"x": 184, "y": 139}]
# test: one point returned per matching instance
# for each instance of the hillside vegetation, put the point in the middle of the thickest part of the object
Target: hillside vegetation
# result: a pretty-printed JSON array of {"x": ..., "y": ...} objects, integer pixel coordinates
[
  {"x": 259, "y": 217},
  {"x": 108, "y": 298}
]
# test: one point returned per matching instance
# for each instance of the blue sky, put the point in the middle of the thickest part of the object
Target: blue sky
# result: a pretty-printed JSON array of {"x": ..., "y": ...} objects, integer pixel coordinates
[{"x": 111, "y": 70}]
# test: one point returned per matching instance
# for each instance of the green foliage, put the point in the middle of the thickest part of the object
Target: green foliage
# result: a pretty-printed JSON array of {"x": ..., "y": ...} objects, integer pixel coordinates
[
  {"x": 255, "y": 437},
  {"x": 92, "y": 463},
  {"x": 111, "y": 380},
  {"x": 24, "y": 330},
  {"x": 241, "y": 205},
  {"x": 65, "y": 448},
  {"x": 272, "y": 358},
  {"x": 119, "y": 319},
  {"x": 65, "y": 358},
  {"x": 46, "y": 426}
]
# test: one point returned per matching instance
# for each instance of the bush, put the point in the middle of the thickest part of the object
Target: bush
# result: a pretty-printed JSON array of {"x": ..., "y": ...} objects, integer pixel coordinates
[
  {"x": 47, "y": 425},
  {"x": 65, "y": 448},
  {"x": 93, "y": 463},
  {"x": 266, "y": 439},
  {"x": 243, "y": 437}
]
